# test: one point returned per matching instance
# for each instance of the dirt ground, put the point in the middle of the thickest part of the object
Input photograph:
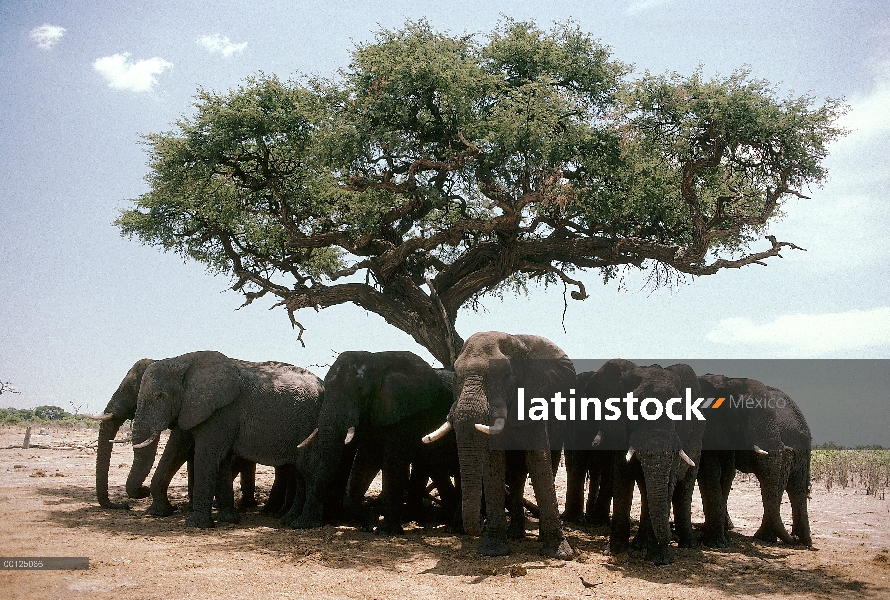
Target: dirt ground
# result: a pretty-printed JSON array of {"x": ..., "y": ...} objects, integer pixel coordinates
[{"x": 48, "y": 507}]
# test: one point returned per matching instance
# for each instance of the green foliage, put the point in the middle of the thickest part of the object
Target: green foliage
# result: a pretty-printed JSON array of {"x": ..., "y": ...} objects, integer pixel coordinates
[
  {"x": 43, "y": 415},
  {"x": 448, "y": 167},
  {"x": 866, "y": 468}
]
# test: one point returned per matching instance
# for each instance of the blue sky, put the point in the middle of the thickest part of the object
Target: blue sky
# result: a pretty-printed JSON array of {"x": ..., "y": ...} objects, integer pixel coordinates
[{"x": 83, "y": 81}]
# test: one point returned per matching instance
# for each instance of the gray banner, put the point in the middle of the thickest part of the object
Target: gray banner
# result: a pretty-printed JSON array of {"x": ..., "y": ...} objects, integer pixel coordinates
[
  {"x": 44, "y": 563},
  {"x": 845, "y": 402}
]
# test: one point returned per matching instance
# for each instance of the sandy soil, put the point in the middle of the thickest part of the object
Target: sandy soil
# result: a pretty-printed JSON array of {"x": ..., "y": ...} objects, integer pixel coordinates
[{"x": 47, "y": 499}]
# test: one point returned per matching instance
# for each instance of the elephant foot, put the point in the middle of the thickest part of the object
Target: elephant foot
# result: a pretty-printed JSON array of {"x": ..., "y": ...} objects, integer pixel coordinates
[
  {"x": 228, "y": 517},
  {"x": 490, "y": 546},
  {"x": 160, "y": 508},
  {"x": 307, "y": 523},
  {"x": 714, "y": 540},
  {"x": 389, "y": 528},
  {"x": 115, "y": 505},
  {"x": 139, "y": 493},
  {"x": 599, "y": 521},
  {"x": 770, "y": 535},
  {"x": 199, "y": 521},
  {"x": 804, "y": 539},
  {"x": 247, "y": 503},
  {"x": 660, "y": 555},
  {"x": 561, "y": 550},
  {"x": 616, "y": 548},
  {"x": 573, "y": 517},
  {"x": 643, "y": 540},
  {"x": 686, "y": 538},
  {"x": 516, "y": 531}
]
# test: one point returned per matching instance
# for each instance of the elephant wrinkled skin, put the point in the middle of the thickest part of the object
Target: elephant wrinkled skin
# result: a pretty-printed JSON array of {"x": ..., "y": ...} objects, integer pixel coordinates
[
  {"x": 485, "y": 466},
  {"x": 257, "y": 411}
]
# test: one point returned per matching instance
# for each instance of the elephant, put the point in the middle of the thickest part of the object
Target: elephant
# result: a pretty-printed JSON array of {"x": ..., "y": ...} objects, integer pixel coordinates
[
  {"x": 660, "y": 458},
  {"x": 377, "y": 406},
  {"x": 586, "y": 456},
  {"x": 230, "y": 408},
  {"x": 771, "y": 439},
  {"x": 122, "y": 407},
  {"x": 490, "y": 367}
]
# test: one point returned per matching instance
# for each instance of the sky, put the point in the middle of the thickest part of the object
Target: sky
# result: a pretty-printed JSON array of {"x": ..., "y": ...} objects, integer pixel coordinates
[{"x": 82, "y": 82}]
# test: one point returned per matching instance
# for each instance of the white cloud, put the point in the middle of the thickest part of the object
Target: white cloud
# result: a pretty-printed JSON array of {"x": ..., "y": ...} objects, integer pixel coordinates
[
  {"x": 218, "y": 44},
  {"x": 47, "y": 35},
  {"x": 122, "y": 74},
  {"x": 809, "y": 334},
  {"x": 869, "y": 114},
  {"x": 642, "y": 5}
]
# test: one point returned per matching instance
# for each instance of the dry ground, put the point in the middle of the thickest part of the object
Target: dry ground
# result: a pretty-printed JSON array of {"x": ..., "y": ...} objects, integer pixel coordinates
[{"x": 47, "y": 499}]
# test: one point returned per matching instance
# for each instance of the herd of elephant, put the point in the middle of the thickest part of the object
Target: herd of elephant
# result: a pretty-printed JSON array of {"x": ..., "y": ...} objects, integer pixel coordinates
[{"x": 392, "y": 412}]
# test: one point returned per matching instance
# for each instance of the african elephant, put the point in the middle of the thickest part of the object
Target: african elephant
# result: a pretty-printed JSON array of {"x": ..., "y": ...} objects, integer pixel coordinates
[
  {"x": 591, "y": 446},
  {"x": 122, "y": 407},
  {"x": 257, "y": 411},
  {"x": 758, "y": 429},
  {"x": 660, "y": 458},
  {"x": 490, "y": 453},
  {"x": 379, "y": 404}
]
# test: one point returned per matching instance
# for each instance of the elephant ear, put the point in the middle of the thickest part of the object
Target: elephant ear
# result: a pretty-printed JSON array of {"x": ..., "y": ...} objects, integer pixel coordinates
[
  {"x": 403, "y": 395},
  {"x": 210, "y": 383}
]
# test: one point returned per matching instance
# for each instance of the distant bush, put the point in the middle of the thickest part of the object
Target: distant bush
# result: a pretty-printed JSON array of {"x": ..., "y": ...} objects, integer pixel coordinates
[
  {"x": 42, "y": 415},
  {"x": 865, "y": 467}
]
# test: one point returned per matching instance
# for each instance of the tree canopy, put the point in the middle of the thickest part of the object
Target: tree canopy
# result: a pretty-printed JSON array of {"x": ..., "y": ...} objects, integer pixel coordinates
[{"x": 439, "y": 168}]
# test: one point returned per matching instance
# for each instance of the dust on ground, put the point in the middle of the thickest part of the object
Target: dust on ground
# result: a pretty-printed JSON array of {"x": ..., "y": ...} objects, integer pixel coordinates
[{"x": 48, "y": 504}]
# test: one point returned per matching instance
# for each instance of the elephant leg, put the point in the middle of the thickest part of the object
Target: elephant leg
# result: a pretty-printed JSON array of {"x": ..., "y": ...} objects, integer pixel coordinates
[
  {"x": 515, "y": 477},
  {"x": 576, "y": 474},
  {"x": 179, "y": 445},
  {"x": 278, "y": 491},
  {"x": 225, "y": 494},
  {"x": 214, "y": 439},
  {"x": 682, "y": 503},
  {"x": 622, "y": 490},
  {"x": 599, "y": 516},
  {"x": 710, "y": 480},
  {"x": 552, "y": 536},
  {"x": 190, "y": 475},
  {"x": 396, "y": 474},
  {"x": 247, "y": 469},
  {"x": 291, "y": 509},
  {"x": 645, "y": 537},
  {"x": 727, "y": 476},
  {"x": 798, "y": 489},
  {"x": 771, "y": 528},
  {"x": 494, "y": 536},
  {"x": 365, "y": 467}
]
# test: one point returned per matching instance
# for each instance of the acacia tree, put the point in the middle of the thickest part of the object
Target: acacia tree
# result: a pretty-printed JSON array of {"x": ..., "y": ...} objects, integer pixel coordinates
[{"x": 436, "y": 169}]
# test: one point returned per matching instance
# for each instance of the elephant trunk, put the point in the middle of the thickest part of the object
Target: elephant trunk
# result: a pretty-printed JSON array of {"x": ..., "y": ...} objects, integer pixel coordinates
[
  {"x": 659, "y": 474},
  {"x": 143, "y": 459},
  {"x": 107, "y": 430},
  {"x": 472, "y": 459}
]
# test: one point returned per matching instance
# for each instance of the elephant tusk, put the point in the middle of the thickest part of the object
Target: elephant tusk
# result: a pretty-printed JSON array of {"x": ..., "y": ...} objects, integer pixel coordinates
[
  {"x": 494, "y": 429},
  {"x": 438, "y": 434},
  {"x": 686, "y": 458},
  {"x": 350, "y": 433},
  {"x": 126, "y": 441},
  {"x": 760, "y": 451},
  {"x": 102, "y": 417},
  {"x": 598, "y": 438},
  {"x": 153, "y": 437},
  {"x": 630, "y": 454},
  {"x": 309, "y": 439},
  {"x": 788, "y": 449}
]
